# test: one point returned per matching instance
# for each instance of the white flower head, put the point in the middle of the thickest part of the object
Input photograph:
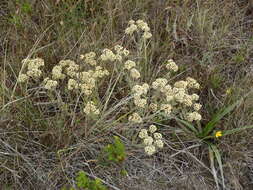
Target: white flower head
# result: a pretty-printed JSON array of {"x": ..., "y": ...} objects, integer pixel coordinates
[
  {"x": 143, "y": 133},
  {"x": 23, "y": 78},
  {"x": 135, "y": 118},
  {"x": 135, "y": 74},
  {"x": 153, "y": 107},
  {"x": 131, "y": 29},
  {"x": 171, "y": 65},
  {"x": 159, "y": 143},
  {"x": 194, "y": 116},
  {"x": 159, "y": 83},
  {"x": 181, "y": 84},
  {"x": 158, "y": 136},
  {"x": 147, "y": 35},
  {"x": 152, "y": 128},
  {"x": 140, "y": 102},
  {"x": 107, "y": 55},
  {"x": 129, "y": 64},
  {"x": 150, "y": 150},
  {"x": 195, "y": 97},
  {"x": 166, "y": 108},
  {"x": 90, "y": 108},
  {"x": 50, "y": 84},
  {"x": 197, "y": 106},
  {"x": 148, "y": 141}
]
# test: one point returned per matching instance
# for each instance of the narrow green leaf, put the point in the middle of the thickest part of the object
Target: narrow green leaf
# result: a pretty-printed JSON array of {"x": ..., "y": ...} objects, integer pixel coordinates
[
  {"x": 211, "y": 124},
  {"x": 187, "y": 124},
  {"x": 232, "y": 131},
  {"x": 218, "y": 157},
  {"x": 211, "y": 157}
]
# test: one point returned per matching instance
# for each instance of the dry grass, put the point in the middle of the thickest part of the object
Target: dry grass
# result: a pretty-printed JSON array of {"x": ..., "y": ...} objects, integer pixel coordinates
[{"x": 210, "y": 40}]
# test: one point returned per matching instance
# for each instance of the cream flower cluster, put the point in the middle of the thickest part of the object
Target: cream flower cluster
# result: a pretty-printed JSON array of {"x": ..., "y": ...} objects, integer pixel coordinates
[
  {"x": 153, "y": 141},
  {"x": 153, "y": 107},
  {"x": 172, "y": 99},
  {"x": 192, "y": 83},
  {"x": 178, "y": 96},
  {"x": 135, "y": 118},
  {"x": 57, "y": 73},
  {"x": 166, "y": 108},
  {"x": 89, "y": 58},
  {"x": 139, "y": 91},
  {"x": 85, "y": 81},
  {"x": 121, "y": 51},
  {"x": 171, "y": 65},
  {"x": 138, "y": 25},
  {"x": 130, "y": 66},
  {"x": 33, "y": 69},
  {"x": 167, "y": 98},
  {"x": 193, "y": 116},
  {"x": 109, "y": 55},
  {"x": 68, "y": 66},
  {"x": 90, "y": 108},
  {"x": 77, "y": 79},
  {"x": 159, "y": 83},
  {"x": 134, "y": 73},
  {"x": 50, "y": 84},
  {"x": 140, "y": 102}
]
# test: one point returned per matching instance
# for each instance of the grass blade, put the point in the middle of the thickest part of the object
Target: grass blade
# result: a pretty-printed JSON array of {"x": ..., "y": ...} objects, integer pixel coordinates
[
  {"x": 211, "y": 124},
  {"x": 211, "y": 157},
  {"x": 218, "y": 157},
  {"x": 187, "y": 124},
  {"x": 232, "y": 131}
]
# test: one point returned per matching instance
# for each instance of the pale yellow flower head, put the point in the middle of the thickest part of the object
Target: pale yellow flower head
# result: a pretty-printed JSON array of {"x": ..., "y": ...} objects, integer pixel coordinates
[
  {"x": 158, "y": 136},
  {"x": 152, "y": 128},
  {"x": 194, "y": 116},
  {"x": 166, "y": 108},
  {"x": 50, "y": 84},
  {"x": 197, "y": 106},
  {"x": 159, "y": 83},
  {"x": 148, "y": 141},
  {"x": 90, "y": 108},
  {"x": 150, "y": 150},
  {"x": 129, "y": 64},
  {"x": 72, "y": 84},
  {"x": 34, "y": 73},
  {"x": 140, "y": 102},
  {"x": 181, "y": 84},
  {"x": 131, "y": 29},
  {"x": 147, "y": 35},
  {"x": 159, "y": 143},
  {"x": 143, "y": 133},
  {"x": 135, "y": 74},
  {"x": 135, "y": 118},
  {"x": 107, "y": 55},
  {"x": 57, "y": 73},
  {"x": 23, "y": 78},
  {"x": 171, "y": 65},
  {"x": 153, "y": 107}
]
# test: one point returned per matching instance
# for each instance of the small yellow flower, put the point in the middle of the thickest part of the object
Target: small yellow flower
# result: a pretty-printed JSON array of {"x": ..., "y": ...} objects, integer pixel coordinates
[{"x": 218, "y": 134}]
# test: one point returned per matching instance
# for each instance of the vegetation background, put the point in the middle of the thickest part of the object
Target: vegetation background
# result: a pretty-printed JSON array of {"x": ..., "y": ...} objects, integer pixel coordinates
[{"x": 210, "y": 39}]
